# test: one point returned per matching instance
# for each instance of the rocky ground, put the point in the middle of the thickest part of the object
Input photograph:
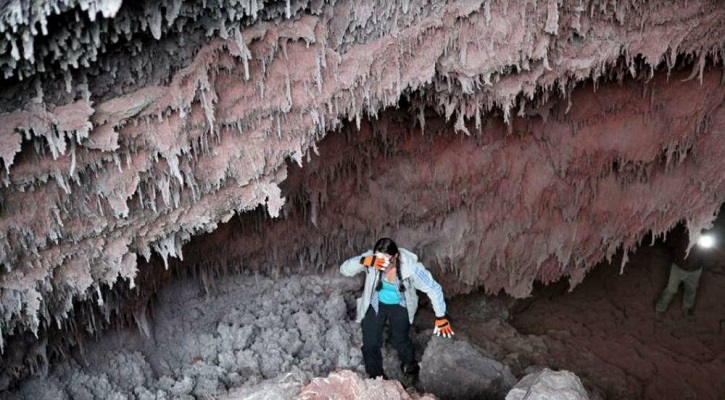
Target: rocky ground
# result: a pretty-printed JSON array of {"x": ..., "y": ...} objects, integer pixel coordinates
[
  {"x": 289, "y": 337},
  {"x": 261, "y": 337},
  {"x": 198, "y": 345}
]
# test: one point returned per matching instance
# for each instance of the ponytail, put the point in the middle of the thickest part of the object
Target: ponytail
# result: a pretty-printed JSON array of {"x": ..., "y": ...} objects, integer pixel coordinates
[{"x": 401, "y": 287}]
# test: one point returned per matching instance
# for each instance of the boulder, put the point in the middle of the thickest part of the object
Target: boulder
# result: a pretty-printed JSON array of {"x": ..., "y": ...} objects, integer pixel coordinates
[
  {"x": 349, "y": 385},
  {"x": 549, "y": 385},
  {"x": 456, "y": 369}
]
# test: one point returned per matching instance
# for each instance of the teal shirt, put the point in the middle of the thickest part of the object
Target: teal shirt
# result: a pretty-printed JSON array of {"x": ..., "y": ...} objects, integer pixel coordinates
[{"x": 389, "y": 293}]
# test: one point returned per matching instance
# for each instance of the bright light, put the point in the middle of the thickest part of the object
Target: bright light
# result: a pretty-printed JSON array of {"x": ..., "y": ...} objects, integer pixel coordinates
[{"x": 706, "y": 241}]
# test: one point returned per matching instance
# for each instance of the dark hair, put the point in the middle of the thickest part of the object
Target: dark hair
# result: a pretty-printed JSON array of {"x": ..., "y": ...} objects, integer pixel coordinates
[{"x": 388, "y": 246}]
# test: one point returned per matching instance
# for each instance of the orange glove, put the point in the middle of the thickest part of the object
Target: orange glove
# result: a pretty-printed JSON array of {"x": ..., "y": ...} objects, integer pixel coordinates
[
  {"x": 378, "y": 261},
  {"x": 443, "y": 328}
]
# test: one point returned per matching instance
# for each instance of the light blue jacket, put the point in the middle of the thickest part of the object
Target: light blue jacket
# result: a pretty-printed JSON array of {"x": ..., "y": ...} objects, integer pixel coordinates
[{"x": 413, "y": 274}]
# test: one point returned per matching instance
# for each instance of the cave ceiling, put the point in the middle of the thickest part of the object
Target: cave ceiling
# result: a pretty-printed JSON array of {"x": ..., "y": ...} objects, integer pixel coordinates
[{"x": 507, "y": 141}]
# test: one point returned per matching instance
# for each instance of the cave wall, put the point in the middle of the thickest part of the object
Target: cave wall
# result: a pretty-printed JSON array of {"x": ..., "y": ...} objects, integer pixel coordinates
[
  {"x": 128, "y": 132},
  {"x": 545, "y": 197}
]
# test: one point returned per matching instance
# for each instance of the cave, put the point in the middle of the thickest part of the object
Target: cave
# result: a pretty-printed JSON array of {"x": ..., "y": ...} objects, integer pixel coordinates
[{"x": 182, "y": 180}]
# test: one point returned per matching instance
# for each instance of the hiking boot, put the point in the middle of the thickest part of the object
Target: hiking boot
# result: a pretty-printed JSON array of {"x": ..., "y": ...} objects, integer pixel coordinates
[
  {"x": 689, "y": 314},
  {"x": 409, "y": 380},
  {"x": 410, "y": 375},
  {"x": 412, "y": 368}
]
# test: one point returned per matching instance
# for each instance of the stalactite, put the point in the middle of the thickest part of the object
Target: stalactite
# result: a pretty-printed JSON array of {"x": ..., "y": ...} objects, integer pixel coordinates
[{"x": 111, "y": 105}]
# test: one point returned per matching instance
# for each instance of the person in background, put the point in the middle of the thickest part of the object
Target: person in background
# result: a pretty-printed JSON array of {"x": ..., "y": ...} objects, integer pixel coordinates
[
  {"x": 685, "y": 269},
  {"x": 392, "y": 276}
]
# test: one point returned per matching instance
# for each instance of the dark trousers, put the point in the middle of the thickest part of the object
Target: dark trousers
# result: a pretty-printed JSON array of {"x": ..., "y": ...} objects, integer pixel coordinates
[{"x": 372, "y": 330}]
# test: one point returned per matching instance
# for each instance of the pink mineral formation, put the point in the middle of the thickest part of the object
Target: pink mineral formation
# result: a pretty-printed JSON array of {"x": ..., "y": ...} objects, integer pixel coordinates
[
  {"x": 505, "y": 143},
  {"x": 349, "y": 385}
]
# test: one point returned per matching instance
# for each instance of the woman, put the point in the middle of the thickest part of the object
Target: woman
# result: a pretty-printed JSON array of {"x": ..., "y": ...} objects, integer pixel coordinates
[{"x": 392, "y": 276}]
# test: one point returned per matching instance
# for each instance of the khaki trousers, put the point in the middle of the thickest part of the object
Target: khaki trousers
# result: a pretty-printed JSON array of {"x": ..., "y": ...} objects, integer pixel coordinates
[{"x": 689, "y": 279}]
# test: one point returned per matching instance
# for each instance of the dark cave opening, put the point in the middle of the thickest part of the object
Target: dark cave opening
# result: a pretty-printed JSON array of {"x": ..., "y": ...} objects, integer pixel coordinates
[{"x": 606, "y": 329}]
